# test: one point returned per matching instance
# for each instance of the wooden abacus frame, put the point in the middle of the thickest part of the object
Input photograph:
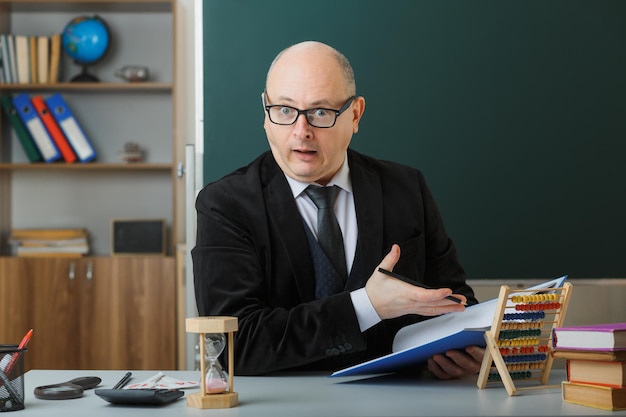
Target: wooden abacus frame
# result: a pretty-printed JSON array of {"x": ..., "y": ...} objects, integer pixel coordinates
[{"x": 519, "y": 344}]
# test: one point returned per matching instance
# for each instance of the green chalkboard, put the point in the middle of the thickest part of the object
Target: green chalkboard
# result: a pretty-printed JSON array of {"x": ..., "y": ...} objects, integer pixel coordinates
[{"x": 514, "y": 110}]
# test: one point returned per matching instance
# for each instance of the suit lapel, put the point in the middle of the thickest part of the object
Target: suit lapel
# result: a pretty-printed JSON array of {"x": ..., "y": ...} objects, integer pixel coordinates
[
  {"x": 368, "y": 200},
  {"x": 288, "y": 227}
]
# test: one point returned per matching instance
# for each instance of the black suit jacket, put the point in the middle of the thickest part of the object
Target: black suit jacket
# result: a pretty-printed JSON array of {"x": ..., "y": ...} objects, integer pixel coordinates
[{"x": 252, "y": 261}]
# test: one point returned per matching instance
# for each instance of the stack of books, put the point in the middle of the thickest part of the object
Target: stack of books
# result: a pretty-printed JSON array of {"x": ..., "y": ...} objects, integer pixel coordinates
[
  {"x": 49, "y": 242},
  {"x": 596, "y": 364},
  {"x": 26, "y": 59}
]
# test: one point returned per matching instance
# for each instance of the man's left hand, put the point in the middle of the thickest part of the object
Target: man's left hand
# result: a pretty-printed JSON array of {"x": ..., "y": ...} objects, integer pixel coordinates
[{"x": 457, "y": 363}]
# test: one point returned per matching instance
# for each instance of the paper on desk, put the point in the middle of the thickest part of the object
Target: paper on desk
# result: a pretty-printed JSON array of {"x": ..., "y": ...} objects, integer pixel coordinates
[{"x": 162, "y": 381}]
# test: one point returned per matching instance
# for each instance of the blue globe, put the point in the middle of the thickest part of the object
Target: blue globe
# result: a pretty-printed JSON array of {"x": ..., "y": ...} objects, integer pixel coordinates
[{"x": 86, "y": 39}]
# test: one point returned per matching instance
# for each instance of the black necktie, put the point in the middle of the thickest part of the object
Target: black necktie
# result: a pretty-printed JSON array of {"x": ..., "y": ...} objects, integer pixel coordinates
[{"x": 328, "y": 231}]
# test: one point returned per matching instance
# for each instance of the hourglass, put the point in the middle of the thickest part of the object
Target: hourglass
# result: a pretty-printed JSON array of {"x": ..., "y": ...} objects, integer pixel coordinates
[
  {"x": 215, "y": 381},
  {"x": 216, "y": 390}
]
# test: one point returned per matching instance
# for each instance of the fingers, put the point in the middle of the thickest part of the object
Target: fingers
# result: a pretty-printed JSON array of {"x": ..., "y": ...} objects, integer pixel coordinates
[
  {"x": 391, "y": 259},
  {"x": 392, "y": 297},
  {"x": 436, "y": 369},
  {"x": 456, "y": 363},
  {"x": 476, "y": 352}
]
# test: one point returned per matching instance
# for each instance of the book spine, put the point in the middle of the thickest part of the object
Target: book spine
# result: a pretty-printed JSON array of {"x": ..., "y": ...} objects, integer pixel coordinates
[
  {"x": 18, "y": 234},
  {"x": 6, "y": 59},
  {"x": 33, "y": 60},
  {"x": 12, "y": 58},
  {"x": 43, "y": 56},
  {"x": 22, "y": 55},
  {"x": 55, "y": 57}
]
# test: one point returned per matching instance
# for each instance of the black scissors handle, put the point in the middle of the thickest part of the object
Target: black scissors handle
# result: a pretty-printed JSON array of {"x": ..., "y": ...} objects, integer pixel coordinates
[{"x": 67, "y": 390}]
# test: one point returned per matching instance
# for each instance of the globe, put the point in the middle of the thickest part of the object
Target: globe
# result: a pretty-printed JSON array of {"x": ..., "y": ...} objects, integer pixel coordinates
[{"x": 86, "y": 40}]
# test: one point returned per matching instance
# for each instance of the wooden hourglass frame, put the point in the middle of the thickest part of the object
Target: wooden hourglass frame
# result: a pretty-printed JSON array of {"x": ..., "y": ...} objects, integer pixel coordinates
[
  {"x": 519, "y": 343},
  {"x": 205, "y": 325}
]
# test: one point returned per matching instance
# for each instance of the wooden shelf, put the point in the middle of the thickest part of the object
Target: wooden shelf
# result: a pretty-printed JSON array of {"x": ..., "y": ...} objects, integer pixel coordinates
[
  {"x": 91, "y": 166},
  {"x": 91, "y": 87},
  {"x": 39, "y": 6}
]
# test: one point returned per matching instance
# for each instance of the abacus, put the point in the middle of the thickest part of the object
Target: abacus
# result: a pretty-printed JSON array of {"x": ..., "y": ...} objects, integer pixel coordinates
[{"x": 519, "y": 342}]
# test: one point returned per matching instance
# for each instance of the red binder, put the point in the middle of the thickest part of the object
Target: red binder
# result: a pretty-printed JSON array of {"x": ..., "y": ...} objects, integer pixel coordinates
[{"x": 53, "y": 129}]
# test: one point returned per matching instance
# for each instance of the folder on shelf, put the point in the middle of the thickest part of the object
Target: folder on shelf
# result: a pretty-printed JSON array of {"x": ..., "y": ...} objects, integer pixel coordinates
[
  {"x": 35, "y": 126},
  {"x": 70, "y": 127},
  {"x": 53, "y": 129},
  {"x": 23, "y": 135},
  {"x": 23, "y": 61}
]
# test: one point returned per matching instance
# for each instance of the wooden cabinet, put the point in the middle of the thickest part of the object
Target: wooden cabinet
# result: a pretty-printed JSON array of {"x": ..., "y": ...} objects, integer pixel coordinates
[{"x": 91, "y": 313}]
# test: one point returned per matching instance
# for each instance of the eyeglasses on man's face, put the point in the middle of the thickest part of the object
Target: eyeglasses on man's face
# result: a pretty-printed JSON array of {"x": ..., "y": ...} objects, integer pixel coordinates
[{"x": 319, "y": 117}]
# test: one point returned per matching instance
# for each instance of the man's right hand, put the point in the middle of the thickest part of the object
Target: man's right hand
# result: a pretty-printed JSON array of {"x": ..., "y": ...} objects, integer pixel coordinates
[{"x": 394, "y": 298}]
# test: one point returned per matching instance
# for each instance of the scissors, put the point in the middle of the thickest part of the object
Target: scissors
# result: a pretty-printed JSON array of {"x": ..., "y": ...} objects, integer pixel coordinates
[{"x": 67, "y": 390}]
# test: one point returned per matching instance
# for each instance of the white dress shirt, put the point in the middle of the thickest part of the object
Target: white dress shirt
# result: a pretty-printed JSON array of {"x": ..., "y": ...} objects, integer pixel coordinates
[{"x": 346, "y": 216}]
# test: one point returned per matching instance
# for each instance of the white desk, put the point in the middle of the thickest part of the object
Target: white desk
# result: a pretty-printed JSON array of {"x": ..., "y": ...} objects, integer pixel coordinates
[{"x": 316, "y": 396}]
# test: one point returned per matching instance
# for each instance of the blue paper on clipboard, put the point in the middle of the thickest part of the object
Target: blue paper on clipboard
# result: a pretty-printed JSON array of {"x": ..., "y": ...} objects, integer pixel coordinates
[{"x": 417, "y": 342}]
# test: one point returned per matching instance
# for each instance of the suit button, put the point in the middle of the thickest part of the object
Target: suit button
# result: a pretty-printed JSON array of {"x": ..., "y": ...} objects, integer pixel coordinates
[
  {"x": 342, "y": 349},
  {"x": 347, "y": 346},
  {"x": 329, "y": 352}
]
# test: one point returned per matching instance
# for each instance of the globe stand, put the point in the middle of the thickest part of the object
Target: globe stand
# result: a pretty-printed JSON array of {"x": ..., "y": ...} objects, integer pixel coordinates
[{"x": 85, "y": 77}]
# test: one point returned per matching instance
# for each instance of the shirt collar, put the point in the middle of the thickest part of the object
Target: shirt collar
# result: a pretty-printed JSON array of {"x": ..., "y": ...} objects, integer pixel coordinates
[{"x": 341, "y": 179}]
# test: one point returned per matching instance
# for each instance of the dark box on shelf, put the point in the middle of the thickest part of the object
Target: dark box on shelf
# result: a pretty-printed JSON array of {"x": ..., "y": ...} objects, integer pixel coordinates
[{"x": 138, "y": 237}]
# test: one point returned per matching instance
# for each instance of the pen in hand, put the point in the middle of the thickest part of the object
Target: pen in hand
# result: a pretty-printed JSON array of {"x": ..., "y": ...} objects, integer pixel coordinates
[{"x": 417, "y": 284}]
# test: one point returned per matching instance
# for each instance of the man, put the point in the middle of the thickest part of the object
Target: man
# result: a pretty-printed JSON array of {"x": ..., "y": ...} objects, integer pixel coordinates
[{"x": 259, "y": 254}]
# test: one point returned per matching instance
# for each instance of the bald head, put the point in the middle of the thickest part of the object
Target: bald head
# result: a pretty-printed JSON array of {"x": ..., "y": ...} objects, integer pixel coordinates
[
  {"x": 315, "y": 55},
  {"x": 308, "y": 80}
]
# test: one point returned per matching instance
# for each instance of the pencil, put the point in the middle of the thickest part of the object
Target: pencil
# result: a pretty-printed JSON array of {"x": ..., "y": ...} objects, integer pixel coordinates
[{"x": 417, "y": 284}]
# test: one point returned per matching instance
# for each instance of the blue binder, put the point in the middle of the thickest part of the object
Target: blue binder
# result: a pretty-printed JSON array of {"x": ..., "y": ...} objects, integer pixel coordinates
[
  {"x": 25, "y": 110},
  {"x": 417, "y": 342},
  {"x": 70, "y": 127}
]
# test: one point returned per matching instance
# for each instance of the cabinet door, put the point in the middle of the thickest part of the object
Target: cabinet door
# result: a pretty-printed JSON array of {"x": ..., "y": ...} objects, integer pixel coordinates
[
  {"x": 54, "y": 304},
  {"x": 128, "y": 318},
  {"x": 14, "y": 301}
]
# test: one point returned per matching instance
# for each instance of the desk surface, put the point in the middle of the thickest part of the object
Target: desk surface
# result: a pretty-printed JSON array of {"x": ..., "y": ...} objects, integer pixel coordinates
[{"x": 317, "y": 395}]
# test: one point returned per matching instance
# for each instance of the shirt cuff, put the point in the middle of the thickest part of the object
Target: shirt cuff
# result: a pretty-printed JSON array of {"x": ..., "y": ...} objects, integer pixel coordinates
[{"x": 365, "y": 312}]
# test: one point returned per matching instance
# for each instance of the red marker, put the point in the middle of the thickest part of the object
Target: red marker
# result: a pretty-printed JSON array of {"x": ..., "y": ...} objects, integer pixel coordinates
[
  {"x": 16, "y": 355},
  {"x": 25, "y": 339}
]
